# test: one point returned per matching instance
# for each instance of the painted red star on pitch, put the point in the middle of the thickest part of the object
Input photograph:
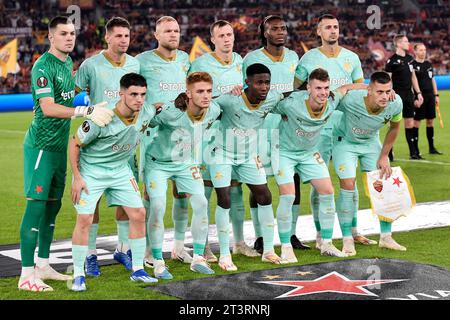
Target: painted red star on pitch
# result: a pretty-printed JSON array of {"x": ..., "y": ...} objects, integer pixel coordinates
[
  {"x": 38, "y": 189},
  {"x": 397, "y": 181},
  {"x": 331, "y": 282}
]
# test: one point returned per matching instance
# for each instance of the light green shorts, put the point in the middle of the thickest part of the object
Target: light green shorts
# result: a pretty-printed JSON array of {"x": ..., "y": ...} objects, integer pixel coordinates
[
  {"x": 119, "y": 186},
  {"x": 250, "y": 171},
  {"x": 347, "y": 154},
  {"x": 188, "y": 178},
  {"x": 309, "y": 165}
]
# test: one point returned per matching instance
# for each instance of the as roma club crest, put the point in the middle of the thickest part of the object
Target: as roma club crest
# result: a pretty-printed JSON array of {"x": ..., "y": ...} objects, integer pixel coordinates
[{"x": 378, "y": 185}]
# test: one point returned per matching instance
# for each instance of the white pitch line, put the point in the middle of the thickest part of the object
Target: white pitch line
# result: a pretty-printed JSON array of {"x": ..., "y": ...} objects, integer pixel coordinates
[{"x": 425, "y": 161}]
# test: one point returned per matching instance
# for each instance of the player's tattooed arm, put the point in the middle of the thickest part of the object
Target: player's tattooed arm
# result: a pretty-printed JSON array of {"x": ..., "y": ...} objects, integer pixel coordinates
[
  {"x": 78, "y": 183},
  {"x": 383, "y": 160}
]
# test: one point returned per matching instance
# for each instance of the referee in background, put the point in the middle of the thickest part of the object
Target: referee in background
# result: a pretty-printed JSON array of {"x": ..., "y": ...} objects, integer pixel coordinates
[
  {"x": 400, "y": 67},
  {"x": 428, "y": 87}
]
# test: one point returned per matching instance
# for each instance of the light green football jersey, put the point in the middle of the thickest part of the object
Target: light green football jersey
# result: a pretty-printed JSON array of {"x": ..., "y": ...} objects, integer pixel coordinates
[
  {"x": 102, "y": 76},
  {"x": 358, "y": 124},
  {"x": 343, "y": 69},
  {"x": 282, "y": 69},
  {"x": 50, "y": 77},
  {"x": 241, "y": 121},
  {"x": 300, "y": 126},
  {"x": 225, "y": 76},
  {"x": 179, "y": 136},
  {"x": 166, "y": 79},
  {"x": 113, "y": 145}
]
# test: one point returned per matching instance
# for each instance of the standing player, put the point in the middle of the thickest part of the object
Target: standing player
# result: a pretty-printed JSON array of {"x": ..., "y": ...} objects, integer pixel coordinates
[
  {"x": 165, "y": 70},
  {"x": 428, "y": 87},
  {"x": 282, "y": 64},
  {"x": 225, "y": 68},
  {"x": 357, "y": 138},
  {"x": 242, "y": 117},
  {"x": 174, "y": 153},
  {"x": 400, "y": 67},
  {"x": 45, "y": 152},
  {"x": 343, "y": 67},
  {"x": 99, "y": 158},
  {"x": 98, "y": 74}
]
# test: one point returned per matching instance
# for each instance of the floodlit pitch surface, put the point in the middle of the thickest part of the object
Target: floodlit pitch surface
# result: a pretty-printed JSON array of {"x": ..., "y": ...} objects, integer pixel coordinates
[{"x": 430, "y": 180}]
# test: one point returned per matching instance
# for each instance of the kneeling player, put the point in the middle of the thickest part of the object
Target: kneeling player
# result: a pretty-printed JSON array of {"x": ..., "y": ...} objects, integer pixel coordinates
[
  {"x": 304, "y": 114},
  {"x": 173, "y": 154},
  {"x": 99, "y": 160},
  {"x": 357, "y": 138}
]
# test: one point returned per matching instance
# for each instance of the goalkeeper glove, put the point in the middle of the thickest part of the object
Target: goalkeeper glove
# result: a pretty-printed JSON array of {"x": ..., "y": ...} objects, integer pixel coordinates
[{"x": 100, "y": 115}]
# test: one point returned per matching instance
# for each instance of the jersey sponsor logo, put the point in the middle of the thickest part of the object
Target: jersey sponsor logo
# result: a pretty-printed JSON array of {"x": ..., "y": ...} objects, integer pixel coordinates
[
  {"x": 282, "y": 87},
  {"x": 42, "y": 81},
  {"x": 226, "y": 89},
  {"x": 238, "y": 132},
  {"x": 39, "y": 189},
  {"x": 301, "y": 133},
  {"x": 68, "y": 95},
  {"x": 122, "y": 147},
  {"x": 85, "y": 126},
  {"x": 110, "y": 94},
  {"x": 164, "y": 86},
  {"x": 365, "y": 132},
  {"x": 338, "y": 82}
]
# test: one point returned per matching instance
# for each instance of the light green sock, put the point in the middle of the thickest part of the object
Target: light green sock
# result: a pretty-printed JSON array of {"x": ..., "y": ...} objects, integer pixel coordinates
[
  {"x": 79, "y": 254},
  {"x": 385, "y": 227},
  {"x": 156, "y": 225},
  {"x": 344, "y": 208},
  {"x": 208, "y": 193},
  {"x": 295, "y": 213},
  {"x": 327, "y": 213},
  {"x": 123, "y": 228},
  {"x": 137, "y": 247},
  {"x": 256, "y": 223},
  {"x": 284, "y": 218},
  {"x": 147, "y": 215},
  {"x": 180, "y": 217},
  {"x": 223, "y": 230},
  {"x": 265, "y": 215},
  {"x": 93, "y": 231},
  {"x": 355, "y": 211},
  {"x": 314, "y": 202},
  {"x": 237, "y": 213},
  {"x": 199, "y": 224}
]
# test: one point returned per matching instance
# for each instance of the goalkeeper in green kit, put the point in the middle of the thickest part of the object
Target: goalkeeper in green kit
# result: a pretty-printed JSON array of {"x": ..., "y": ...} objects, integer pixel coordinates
[{"x": 45, "y": 152}]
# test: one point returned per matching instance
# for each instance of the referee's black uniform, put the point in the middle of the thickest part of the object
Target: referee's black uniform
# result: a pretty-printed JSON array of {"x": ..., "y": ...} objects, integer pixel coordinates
[
  {"x": 424, "y": 73},
  {"x": 402, "y": 69}
]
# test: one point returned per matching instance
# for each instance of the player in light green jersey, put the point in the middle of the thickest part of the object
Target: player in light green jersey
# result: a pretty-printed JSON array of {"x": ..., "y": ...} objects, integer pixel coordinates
[
  {"x": 304, "y": 114},
  {"x": 45, "y": 152},
  {"x": 225, "y": 68},
  {"x": 344, "y": 67},
  {"x": 357, "y": 138},
  {"x": 282, "y": 64},
  {"x": 99, "y": 160},
  {"x": 165, "y": 69},
  {"x": 98, "y": 75},
  {"x": 176, "y": 153}
]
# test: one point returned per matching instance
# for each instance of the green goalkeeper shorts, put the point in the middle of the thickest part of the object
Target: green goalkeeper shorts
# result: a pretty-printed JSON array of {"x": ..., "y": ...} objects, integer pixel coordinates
[{"x": 44, "y": 173}]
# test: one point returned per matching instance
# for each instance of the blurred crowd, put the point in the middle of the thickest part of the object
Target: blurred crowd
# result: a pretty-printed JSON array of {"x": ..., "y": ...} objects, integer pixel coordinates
[{"x": 427, "y": 21}]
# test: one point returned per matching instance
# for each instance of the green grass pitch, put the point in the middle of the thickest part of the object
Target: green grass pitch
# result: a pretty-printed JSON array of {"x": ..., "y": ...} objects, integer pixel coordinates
[{"x": 430, "y": 182}]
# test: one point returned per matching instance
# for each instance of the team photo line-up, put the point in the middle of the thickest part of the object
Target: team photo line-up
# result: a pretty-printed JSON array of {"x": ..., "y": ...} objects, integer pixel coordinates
[{"x": 215, "y": 123}]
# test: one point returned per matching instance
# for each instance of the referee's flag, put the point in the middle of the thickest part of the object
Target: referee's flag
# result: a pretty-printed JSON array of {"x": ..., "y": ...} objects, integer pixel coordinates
[
  {"x": 198, "y": 48},
  {"x": 8, "y": 58}
]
